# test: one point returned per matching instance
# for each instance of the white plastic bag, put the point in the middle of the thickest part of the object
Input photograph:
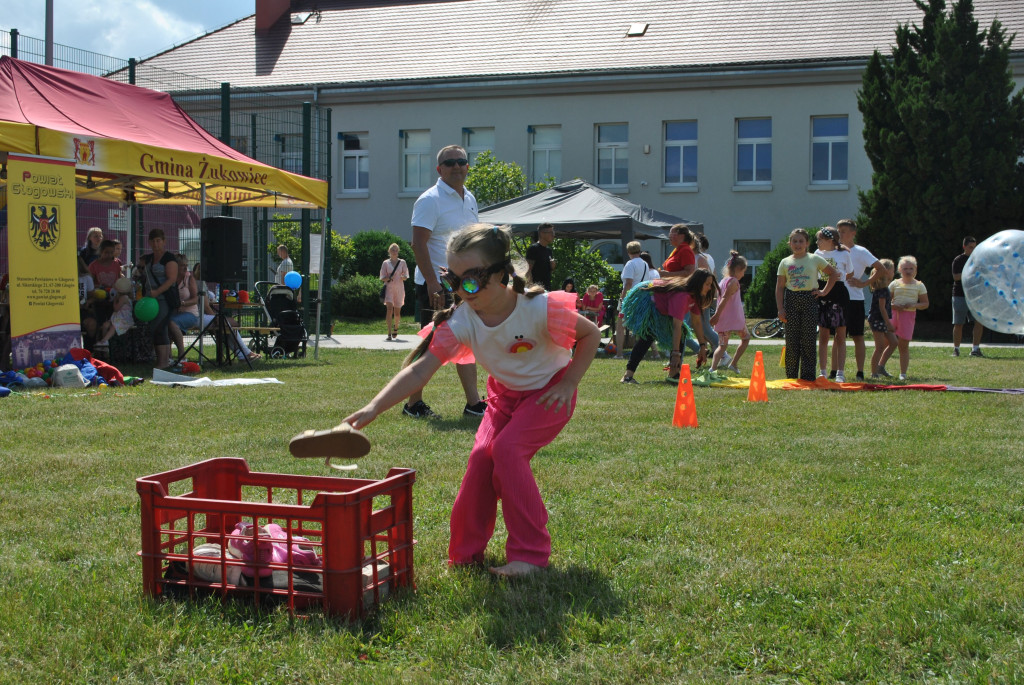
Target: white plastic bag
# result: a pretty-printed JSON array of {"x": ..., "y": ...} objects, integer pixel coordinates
[{"x": 68, "y": 376}]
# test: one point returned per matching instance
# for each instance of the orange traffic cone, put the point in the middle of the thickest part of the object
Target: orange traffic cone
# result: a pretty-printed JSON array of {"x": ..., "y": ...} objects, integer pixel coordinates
[
  {"x": 685, "y": 414},
  {"x": 758, "y": 391},
  {"x": 782, "y": 358}
]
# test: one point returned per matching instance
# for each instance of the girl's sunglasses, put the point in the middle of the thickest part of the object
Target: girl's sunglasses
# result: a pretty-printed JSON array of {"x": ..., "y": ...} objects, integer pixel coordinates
[{"x": 472, "y": 281}]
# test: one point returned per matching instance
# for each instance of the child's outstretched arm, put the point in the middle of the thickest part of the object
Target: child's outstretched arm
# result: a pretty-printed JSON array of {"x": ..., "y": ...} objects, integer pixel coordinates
[
  {"x": 406, "y": 382},
  {"x": 588, "y": 338}
]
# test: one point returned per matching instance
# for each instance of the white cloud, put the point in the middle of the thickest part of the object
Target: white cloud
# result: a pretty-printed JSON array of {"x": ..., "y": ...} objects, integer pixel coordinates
[{"x": 121, "y": 28}]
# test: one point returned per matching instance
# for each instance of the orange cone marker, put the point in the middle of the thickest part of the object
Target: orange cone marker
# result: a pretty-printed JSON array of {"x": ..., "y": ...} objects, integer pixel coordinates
[
  {"x": 685, "y": 414},
  {"x": 758, "y": 391}
]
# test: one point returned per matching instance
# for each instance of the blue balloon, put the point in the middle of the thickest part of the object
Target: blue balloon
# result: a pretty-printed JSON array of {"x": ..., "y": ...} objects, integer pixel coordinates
[
  {"x": 993, "y": 281},
  {"x": 293, "y": 279}
]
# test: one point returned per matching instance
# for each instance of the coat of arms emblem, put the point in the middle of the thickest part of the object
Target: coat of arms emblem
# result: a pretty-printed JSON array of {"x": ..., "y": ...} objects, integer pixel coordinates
[
  {"x": 44, "y": 228},
  {"x": 85, "y": 151}
]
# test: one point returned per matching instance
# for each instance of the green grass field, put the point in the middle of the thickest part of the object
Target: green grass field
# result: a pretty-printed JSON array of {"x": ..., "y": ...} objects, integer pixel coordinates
[{"x": 821, "y": 537}]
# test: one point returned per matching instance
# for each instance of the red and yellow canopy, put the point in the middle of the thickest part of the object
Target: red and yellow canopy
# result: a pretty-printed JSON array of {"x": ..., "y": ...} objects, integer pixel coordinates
[{"x": 134, "y": 145}]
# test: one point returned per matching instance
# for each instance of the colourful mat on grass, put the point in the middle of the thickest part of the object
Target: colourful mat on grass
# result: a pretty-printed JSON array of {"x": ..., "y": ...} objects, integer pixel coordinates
[{"x": 707, "y": 378}]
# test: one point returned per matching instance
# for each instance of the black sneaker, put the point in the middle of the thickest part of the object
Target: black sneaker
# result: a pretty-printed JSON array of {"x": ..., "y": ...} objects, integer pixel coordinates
[
  {"x": 477, "y": 409},
  {"x": 860, "y": 375},
  {"x": 956, "y": 351},
  {"x": 420, "y": 410},
  {"x": 976, "y": 353},
  {"x": 832, "y": 375}
]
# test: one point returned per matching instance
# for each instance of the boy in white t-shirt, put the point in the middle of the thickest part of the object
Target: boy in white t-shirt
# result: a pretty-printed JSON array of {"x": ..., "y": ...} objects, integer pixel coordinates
[{"x": 861, "y": 259}]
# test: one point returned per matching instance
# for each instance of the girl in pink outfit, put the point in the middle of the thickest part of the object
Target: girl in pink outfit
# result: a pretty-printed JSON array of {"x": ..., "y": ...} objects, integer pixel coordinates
[
  {"x": 908, "y": 297},
  {"x": 729, "y": 318},
  {"x": 523, "y": 338}
]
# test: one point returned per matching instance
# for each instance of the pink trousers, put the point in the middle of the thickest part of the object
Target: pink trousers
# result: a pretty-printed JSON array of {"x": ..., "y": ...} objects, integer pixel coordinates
[{"x": 513, "y": 429}]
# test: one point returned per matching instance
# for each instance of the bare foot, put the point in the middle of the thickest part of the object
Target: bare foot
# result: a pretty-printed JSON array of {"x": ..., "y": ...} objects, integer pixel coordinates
[{"x": 515, "y": 569}]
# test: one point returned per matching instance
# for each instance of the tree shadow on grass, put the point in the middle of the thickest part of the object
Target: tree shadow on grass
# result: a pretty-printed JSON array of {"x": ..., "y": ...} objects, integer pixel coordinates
[{"x": 547, "y": 606}]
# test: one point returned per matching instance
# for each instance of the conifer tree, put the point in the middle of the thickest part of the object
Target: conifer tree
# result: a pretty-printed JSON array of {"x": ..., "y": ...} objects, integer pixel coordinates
[{"x": 944, "y": 134}]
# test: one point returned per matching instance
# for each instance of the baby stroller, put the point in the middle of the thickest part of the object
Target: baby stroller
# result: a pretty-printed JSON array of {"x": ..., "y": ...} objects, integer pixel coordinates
[{"x": 281, "y": 309}]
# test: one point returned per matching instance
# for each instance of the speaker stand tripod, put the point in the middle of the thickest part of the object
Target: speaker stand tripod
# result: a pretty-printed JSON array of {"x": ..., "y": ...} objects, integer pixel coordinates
[{"x": 223, "y": 333}]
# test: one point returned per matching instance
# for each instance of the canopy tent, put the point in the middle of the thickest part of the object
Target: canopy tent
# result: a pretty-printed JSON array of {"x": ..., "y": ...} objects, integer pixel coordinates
[
  {"x": 580, "y": 210},
  {"x": 134, "y": 145}
]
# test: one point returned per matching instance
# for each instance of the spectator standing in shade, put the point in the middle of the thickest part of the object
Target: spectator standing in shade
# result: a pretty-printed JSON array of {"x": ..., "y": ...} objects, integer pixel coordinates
[
  {"x": 91, "y": 250},
  {"x": 441, "y": 210},
  {"x": 286, "y": 264},
  {"x": 961, "y": 314},
  {"x": 682, "y": 261},
  {"x": 540, "y": 258}
]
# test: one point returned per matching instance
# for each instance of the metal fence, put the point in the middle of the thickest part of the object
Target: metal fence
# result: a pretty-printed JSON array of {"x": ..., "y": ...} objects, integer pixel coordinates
[{"x": 259, "y": 124}]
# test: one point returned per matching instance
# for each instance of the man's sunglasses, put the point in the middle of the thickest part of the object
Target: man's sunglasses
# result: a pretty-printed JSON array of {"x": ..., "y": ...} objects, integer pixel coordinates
[
  {"x": 461, "y": 161},
  {"x": 472, "y": 281}
]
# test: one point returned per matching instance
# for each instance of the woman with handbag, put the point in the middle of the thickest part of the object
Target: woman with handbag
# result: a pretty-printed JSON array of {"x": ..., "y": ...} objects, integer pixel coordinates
[
  {"x": 160, "y": 276},
  {"x": 393, "y": 273}
]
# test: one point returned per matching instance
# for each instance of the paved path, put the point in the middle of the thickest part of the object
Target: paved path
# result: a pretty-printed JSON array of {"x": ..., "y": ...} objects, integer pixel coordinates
[{"x": 408, "y": 342}]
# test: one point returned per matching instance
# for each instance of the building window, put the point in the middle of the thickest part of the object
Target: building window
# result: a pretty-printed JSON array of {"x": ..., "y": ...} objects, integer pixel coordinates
[
  {"x": 477, "y": 140},
  {"x": 830, "y": 144},
  {"x": 680, "y": 153},
  {"x": 610, "y": 251},
  {"x": 613, "y": 155},
  {"x": 355, "y": 162},
  {"x": 289, "y": 149},
  {"x": 754, "y": 251},
  {"x": 240, "y": 143},
  {"x": 753, "y": 151},
  {"x": 545, "y": 153},
  {"x": 418, "y": 163}
]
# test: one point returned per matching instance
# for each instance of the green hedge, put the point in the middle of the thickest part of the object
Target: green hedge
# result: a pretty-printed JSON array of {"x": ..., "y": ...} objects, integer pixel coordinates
[{"x": 369, "y": 249}]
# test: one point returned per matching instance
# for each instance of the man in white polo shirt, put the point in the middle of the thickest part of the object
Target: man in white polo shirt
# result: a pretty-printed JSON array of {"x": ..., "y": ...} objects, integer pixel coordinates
[
  {"x": 440, "y": 211},
  {"x": 862, "y": 260}
]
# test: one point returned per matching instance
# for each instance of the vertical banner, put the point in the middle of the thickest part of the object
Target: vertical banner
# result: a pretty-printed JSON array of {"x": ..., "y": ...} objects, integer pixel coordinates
[
  {"x": 315, "y": 241},
  {"x": 43, "y": 255}
]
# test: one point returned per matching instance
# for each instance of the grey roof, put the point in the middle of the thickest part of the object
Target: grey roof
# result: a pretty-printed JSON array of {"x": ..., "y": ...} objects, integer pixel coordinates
[{"x": 369, "y": 42}]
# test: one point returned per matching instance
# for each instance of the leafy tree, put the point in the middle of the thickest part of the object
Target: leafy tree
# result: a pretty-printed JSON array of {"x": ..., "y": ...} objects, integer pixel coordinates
[
  {"x": 288, "y": 232},
  {"x": 492, "y": 181},
  {"x": 944, "y": 136},
  {"x": 577, "y": 260}
]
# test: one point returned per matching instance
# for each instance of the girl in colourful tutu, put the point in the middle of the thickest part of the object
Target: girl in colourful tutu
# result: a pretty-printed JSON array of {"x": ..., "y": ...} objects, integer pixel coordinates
[{"x": 655, "y": 311}]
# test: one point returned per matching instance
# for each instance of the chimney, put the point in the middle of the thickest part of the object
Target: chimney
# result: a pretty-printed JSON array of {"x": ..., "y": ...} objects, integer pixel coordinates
[{"x": 268, "y": 12}]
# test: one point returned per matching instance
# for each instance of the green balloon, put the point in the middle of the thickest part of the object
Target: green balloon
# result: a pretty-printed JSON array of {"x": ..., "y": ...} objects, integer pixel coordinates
[{"x": 146, "y": 309}]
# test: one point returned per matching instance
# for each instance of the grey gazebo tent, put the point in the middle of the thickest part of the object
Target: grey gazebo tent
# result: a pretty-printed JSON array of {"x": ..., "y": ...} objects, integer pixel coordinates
[{"x": 580, "y": 210}]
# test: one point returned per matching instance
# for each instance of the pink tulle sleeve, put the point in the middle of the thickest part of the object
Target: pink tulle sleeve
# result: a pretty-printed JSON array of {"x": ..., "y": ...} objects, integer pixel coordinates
[
  {"x": 562, "y": 318},
  {"x": 445, "y": 346}
]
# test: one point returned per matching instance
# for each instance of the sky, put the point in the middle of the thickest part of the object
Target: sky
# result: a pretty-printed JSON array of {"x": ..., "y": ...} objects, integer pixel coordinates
[{"x": 122, "y": 28}]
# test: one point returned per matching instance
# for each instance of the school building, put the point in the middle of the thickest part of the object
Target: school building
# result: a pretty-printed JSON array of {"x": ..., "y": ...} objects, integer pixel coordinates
[{"x": 739, "y": 114}]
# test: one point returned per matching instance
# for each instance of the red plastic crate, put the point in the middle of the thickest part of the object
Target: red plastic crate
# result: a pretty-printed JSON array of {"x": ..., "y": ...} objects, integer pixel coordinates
[{"x": 361, "y": 531}]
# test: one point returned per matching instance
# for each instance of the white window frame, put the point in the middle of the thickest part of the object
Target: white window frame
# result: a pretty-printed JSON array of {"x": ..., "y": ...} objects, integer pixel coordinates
[
  {"x": 290, "y": 161},
  {"x": 682, "y": 144},
  {"x": 423, "y": 155},
  {"x": 536, "y": 173},
  {"x": 473, "y": 151},
  {"x": 831, "y": 141},
  {"x": 757, "y": 143},
  {"x": 752, "y": 264},
  {"x": 358, "y": 156},
  {"x": 619, "y": 150}
]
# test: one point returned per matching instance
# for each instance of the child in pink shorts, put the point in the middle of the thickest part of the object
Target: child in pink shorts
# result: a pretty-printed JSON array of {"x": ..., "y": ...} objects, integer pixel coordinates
[{"x": 908, "y": 297}]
